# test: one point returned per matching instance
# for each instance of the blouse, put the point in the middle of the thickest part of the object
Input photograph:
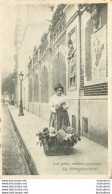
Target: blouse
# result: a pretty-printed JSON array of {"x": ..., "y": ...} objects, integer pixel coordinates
[{"x": 58, "y": 100}]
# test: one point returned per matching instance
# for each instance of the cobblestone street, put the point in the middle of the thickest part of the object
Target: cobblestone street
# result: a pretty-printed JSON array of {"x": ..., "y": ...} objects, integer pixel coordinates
[{"x": 13, "y": 162}]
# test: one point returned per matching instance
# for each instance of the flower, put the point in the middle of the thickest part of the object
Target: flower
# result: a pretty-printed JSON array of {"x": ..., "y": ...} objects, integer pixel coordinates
[
  {"x": 65, "y": 107},
  {"x": 75, "y": 139},
  {"x": 52, "y": 132},
  {"x": 45, "y": 130},
  {"x": 42, "y": 135},
  {"x": 57, "y": 106},
  {"x": 62, "y": 132},
  {"x": 68, "y": 137},
  {"x": 70, "y": 130},
  {"x": 38, "y": 133},
  {"x": 61, "y": 135}
]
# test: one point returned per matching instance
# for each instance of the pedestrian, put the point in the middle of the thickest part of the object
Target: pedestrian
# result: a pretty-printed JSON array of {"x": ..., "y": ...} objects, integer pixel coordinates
[
  {"x": 3, "y": 101},
  {"x": 58, "y": 103}
]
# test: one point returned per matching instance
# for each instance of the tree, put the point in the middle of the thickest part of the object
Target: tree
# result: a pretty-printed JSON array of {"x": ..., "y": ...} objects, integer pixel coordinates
[{"x": 8, "y": 85}]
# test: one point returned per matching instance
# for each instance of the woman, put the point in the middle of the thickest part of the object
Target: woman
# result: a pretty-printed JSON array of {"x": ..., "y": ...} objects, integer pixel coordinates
[{"x": 58, "y": 105}]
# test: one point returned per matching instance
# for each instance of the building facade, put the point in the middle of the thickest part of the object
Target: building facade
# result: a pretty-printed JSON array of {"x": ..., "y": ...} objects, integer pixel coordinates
[{"x": 74, "y": 52}]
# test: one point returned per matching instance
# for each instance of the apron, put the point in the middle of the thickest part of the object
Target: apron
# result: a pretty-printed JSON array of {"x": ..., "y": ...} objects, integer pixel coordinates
[{"x": 59, "y": 120}]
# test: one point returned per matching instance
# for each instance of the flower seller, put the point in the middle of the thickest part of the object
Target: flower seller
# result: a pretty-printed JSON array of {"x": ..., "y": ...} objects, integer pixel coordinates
[{"x": 59, "y": 118}]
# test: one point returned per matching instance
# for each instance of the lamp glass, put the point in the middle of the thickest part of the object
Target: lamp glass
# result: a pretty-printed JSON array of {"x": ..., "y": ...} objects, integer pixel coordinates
[{"x": 21, "y": 76}]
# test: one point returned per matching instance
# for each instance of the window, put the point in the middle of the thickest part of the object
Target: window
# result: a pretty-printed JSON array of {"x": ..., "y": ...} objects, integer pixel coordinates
[
  {"x": 30, "y": 90},
  {"x": 85, "y": 124},
  {"x": 59, "y": 71},
  {"x": 74, "y": 121},
  {"x": 36, "y": 88},
  {"x": 72, "y": 59},
  {"x": 44, "y": 85}
]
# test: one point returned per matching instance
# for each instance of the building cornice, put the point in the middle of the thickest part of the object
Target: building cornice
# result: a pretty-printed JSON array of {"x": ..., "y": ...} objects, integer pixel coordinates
[
  {"x": 72, "y": 18},
  {"x": 59, "y": 39}
]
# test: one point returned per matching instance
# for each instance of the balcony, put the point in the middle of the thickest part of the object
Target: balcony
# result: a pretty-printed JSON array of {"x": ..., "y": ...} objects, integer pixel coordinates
[{"x": 57, "y": 32}]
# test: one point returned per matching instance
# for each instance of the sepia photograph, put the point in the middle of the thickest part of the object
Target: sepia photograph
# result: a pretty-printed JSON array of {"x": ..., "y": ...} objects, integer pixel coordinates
[{"x": 54, "y": 89}]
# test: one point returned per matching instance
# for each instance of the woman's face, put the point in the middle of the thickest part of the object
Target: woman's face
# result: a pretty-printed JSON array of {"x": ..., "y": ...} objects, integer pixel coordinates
[{"x": 59, "y": 92}]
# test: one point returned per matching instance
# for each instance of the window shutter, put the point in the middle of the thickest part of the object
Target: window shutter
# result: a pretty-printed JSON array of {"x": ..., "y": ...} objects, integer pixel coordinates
[
  {"x": 36, "y": 89},
  {"x": 59, "y": 72}
]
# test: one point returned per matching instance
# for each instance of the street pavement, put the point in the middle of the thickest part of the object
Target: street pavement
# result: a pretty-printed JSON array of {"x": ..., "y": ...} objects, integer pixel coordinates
[
  {"x": 13, "y": 162},
  {"x": 87, "y": 158}
]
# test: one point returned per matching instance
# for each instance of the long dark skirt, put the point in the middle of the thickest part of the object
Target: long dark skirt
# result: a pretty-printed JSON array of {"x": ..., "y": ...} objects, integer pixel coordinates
[{"x": 59, "y": 120}]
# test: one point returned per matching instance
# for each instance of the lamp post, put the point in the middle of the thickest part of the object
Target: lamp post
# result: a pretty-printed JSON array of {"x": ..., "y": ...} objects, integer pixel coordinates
[
  {"x": 13, "y": 79},
  {"x": 21, "y": 105}
]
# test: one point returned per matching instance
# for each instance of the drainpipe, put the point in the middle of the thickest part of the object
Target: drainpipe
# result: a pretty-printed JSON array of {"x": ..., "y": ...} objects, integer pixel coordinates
[
  {"x": 39, "y": 89},
  {"x": 79, "y": 124}
]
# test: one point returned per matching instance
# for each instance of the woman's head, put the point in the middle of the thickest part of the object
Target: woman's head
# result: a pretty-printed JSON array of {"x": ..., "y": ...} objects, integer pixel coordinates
[{"x": 59, "y": 89}]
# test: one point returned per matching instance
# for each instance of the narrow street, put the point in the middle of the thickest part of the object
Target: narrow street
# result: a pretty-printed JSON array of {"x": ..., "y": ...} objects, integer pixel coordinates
[{"x": 13, "y": 162}]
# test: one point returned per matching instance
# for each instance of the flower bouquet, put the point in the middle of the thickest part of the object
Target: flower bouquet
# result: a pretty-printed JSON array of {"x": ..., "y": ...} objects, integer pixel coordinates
[{"x": 57, "y": 142}]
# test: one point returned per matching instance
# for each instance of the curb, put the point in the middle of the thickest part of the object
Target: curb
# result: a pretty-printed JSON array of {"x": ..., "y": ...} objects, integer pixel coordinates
[{"x": 30, "y": 163}]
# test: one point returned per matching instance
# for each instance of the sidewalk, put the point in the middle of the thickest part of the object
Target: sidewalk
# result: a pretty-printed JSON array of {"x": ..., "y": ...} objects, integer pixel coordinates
[{"x": 87, "y": 156}]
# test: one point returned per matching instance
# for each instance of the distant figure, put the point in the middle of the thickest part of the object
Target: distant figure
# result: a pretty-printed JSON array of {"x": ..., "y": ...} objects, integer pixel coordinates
[
  {"x": 58, "y": 105},
  {"x": 11, "y": 102},
  {"x": 3, "y": 101}
]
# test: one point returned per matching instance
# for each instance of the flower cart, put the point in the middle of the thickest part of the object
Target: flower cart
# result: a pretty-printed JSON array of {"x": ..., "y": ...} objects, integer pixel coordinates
[{"x": 57, "y": 142}]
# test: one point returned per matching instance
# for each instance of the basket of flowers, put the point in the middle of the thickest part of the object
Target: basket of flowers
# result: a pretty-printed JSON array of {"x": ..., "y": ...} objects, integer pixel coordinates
[{"x": 57, "y": 142}]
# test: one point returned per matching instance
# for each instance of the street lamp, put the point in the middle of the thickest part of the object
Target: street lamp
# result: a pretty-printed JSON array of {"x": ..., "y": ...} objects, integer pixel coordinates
[
  {"x": 21, "y": 105},
  {"x": 13, "y": 98}
]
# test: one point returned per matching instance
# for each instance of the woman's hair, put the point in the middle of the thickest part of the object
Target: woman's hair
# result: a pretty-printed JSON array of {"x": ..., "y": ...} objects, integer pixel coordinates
[{"x": 58, "y": 86}]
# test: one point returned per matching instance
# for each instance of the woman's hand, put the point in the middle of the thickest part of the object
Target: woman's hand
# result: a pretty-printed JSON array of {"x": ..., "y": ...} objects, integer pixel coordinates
[
  {"x": 65, "y": 107},
  {"x": 58, "y": 106},
  {"x": 63, "y": 104}
]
